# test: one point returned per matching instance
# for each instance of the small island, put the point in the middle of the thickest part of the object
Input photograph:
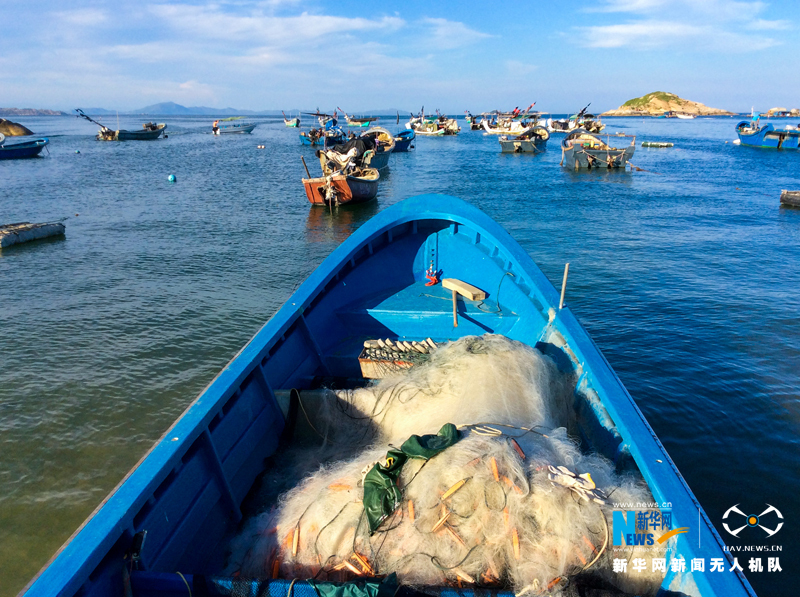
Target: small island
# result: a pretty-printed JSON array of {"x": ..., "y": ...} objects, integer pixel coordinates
[{"x": 658, "y": 102}]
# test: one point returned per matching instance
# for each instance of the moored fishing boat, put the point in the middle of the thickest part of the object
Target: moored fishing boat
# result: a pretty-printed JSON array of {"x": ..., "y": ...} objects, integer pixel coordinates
[
  {"x": 384, "y": 145},
  {"x": 437, "y": 126},
  {"x": 166, "y": 528},
  {"x": 149, "y": 132},
  {"x": 347, "y": 174},
  {"x": 533, "y": 140},
  {"x": 472, "y": 121},
  {"x": 753, "y": 135},
  {"x": 403, "y": 140},
  {"x": 232, "y": 126},
  {"x": 342, "y": 189},
  {"x": 354, "y": 121},
  {"x": 290, "y": 122},
  {"x": 581, "y": 149},
  {"x": 328, "y": 135},
  {"x": 506, "y": 127},
  {"x": 26, "y": 149},
  {"x": 316, "y": 137},
  {"x": 581, "y": 120}
]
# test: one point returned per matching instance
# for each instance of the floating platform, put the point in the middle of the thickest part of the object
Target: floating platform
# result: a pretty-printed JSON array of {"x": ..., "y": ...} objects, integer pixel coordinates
[
  {"x": 656, "y": 144},
  {"x": 23, "y": 232},
  {"x": 790, "y": 198}
]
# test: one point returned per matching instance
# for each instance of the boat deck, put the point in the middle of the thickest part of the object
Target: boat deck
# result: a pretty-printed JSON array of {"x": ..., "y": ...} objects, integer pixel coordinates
[{"x": 424, "y": 308}]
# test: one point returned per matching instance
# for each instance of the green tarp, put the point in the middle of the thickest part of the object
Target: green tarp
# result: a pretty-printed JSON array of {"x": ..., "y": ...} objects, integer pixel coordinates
[
  {"x": 381, "y": 494},
  {"x": 357, "y": 588}
]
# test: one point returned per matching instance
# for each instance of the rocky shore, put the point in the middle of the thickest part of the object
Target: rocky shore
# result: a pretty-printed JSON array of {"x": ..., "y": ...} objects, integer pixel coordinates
[{"x": 658, "y": 102}]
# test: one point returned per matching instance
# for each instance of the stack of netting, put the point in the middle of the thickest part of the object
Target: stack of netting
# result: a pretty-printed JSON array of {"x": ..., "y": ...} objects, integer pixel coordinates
[{"x": 482, "y": 512}]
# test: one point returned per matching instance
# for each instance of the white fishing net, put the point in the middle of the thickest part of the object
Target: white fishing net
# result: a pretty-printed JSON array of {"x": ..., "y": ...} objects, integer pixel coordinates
[{"x": 482, "y": 512}]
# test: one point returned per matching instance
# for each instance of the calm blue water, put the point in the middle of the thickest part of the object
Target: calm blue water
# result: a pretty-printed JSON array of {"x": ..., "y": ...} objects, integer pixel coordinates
[{"x": 686, "y": 275}]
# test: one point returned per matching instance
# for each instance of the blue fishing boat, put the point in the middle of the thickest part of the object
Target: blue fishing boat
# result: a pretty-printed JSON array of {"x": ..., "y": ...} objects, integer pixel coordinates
[
  {"x": 753, "y": 135},
  {"x": 26, "y": 149},
  {"x": 403, "y": 140},
  {"x": 166, "y": 528},
  {"x": 329, "y": 137},
  {"x": 328, "y": 134}
]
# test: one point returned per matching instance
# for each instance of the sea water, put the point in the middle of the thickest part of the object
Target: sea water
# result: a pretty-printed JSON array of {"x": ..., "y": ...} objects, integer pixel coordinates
[{"x": 685, "y": 273}]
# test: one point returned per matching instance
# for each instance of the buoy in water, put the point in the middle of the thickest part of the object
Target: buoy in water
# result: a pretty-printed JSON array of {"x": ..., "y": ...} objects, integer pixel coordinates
[
  {"x": 260, "y": 146},
  {"x": 77, "y": 151},
  {"x": 171, "y": 178}
]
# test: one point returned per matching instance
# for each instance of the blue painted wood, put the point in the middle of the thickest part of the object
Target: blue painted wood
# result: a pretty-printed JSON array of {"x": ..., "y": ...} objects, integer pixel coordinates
[
  {"x": 26, "y": 149},
  {"x": 185, "y": 494},
  {"x": 403, "y": 140},
  {"x": 767, "y": 136}
]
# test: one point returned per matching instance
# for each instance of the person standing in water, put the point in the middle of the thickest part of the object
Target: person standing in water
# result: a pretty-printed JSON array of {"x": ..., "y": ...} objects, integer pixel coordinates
[{"x": 215, "y": 127}]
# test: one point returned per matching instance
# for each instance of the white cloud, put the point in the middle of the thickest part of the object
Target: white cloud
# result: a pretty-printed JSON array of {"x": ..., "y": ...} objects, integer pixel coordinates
[
  {"x": 443, "y": 34},
  {"x": 517, "y": 68},
  {"x": 718, "y": 9},
  {"x": 211, "y": 23},
  {"x": 654, "y": 34},
  {"x": 764, "y": 25},
  {"x": 85, "y": 17}
]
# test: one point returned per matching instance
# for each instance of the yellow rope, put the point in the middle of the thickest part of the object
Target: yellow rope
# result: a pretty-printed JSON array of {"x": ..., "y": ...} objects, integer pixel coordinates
[{"x": 186, "y": 582}]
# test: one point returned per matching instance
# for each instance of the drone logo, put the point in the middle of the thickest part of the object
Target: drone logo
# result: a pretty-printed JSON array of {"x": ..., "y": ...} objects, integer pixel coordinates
[{"x": 752, "y": 520}]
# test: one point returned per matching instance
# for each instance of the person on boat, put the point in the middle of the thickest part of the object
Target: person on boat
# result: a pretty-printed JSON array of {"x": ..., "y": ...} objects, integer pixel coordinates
[{"x": 215, "y": 127}]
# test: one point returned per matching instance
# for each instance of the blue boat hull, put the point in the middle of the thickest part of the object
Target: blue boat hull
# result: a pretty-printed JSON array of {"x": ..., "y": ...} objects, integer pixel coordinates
[
  {"x": 380, "y": 160},
  {"x": 403, "y": 140},
  {"x": 188, "y": 490},
  {"x": 767, "y": 137},
  {"x": 28, "y": 149}
]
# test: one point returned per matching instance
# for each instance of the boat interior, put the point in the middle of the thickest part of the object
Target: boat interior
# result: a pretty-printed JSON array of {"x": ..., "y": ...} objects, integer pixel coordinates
[{"x": 180, "y": 507}]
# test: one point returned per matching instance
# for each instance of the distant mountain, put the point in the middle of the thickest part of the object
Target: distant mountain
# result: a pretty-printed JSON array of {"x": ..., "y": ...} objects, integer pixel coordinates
[
  {"x": 99, "y": 111},
  {"x": 29, "y": 112},
  {"x": 172, "y": 108}
]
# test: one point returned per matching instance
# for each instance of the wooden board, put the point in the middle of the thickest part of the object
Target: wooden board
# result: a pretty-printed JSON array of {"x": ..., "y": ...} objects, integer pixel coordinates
[{"x": 466, "y": 290}]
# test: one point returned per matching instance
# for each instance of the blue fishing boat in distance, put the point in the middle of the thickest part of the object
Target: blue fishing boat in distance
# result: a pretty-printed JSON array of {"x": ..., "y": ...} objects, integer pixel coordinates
[
  {"x": 427, "y": 277},
  {"x": 26, "y": 149},
  {"x": 403, "y": 140},
  {"x": 753, "y": 135}
]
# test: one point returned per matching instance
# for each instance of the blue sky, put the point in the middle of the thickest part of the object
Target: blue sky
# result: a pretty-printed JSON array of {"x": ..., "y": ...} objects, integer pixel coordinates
[{"x": 286, "y": 54}]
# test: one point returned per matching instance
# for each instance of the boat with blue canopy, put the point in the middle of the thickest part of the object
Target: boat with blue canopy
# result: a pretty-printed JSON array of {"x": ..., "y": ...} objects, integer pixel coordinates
[
  {"x": 428, "y": 289},
  {"x": 767, "y": 136},
  {"x": 26, "y": 149}
]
